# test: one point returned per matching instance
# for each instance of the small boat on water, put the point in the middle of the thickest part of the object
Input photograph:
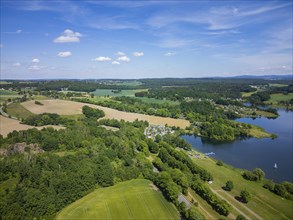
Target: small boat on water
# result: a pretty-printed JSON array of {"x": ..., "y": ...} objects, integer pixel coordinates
[{"x": 275, "y": 166}]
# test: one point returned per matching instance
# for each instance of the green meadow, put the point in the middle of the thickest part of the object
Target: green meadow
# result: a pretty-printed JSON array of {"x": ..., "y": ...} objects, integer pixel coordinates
[
  {"x": 264, "y": 203},
  {"x": 109, "y": 92},
  {"x": 134, "y": 199}
]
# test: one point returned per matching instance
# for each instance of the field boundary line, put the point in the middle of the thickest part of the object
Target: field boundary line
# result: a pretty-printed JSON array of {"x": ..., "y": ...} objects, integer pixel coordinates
[
  {"x": 162, "y": 201},
  {"x": 127, "y": 207},
  {"x": 108, "y": 210},
  {"x": 146, "y": 204}
]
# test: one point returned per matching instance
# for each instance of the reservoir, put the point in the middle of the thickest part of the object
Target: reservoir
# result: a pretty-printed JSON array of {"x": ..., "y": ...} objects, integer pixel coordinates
[{"x": 261, "y": 153}]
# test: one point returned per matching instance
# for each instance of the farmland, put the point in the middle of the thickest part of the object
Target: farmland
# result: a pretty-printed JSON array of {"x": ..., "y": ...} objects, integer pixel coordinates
[
  {"x": 63, "y": 107},
  {"x": 266, "y": 204},
  {"x": 18, "y": 111},
  {"x": 279, "y": 97},
  {"x": 134, "y": 199},
  {"x": 8, "y": 125},
  {"x": 5, "y": 95},
  {"x": 109, "y": 92}
]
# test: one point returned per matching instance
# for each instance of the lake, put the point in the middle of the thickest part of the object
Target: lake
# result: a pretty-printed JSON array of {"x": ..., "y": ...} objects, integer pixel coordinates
[{"x": 262, "y": 153}]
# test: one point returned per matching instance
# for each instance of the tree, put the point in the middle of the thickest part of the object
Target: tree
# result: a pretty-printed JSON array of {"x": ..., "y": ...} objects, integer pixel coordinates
[
  {"x": 220, "y": 163},
  {"x": 105, "y": 173},
  {"x": 229, "y": 185},
  {"x": 245, "y": 196},
  {"x": 240, "y": 217},
  {"x": 259, "y": 173}
]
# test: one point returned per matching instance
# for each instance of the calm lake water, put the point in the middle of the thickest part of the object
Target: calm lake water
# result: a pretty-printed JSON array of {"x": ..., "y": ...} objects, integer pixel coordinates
[{"x": 262, "y": 153}]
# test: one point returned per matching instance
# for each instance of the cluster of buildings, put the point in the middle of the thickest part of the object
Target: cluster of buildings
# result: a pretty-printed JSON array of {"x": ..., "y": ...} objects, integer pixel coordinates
[{"x": 153, "y": 130}]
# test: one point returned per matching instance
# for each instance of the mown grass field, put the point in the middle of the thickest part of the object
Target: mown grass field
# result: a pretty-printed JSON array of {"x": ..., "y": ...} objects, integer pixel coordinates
[
  {"x": 264, "y": 203},
  {"x": 7, "y": 94},
  {"x": 108, "y": 92},
  {"x": 276, "y": 98},
  {"x": 18, "y": 111},
  {"x": 134, "y": 199}
]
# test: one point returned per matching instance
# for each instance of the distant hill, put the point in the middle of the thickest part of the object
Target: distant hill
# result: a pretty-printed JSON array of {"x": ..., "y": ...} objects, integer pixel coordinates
[{"x": 268, "y": 77}]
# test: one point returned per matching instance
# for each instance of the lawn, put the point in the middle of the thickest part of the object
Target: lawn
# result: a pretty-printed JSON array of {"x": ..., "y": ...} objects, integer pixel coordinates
[
  {"x": 108, "y": 92},
  {"x": 276, "y": 98},
  {"x": 18, "y": 111},
  {"x": 264, "y": 203},
  {"x": 7, "y": 92},
  {"x": 134, "y": 199}
]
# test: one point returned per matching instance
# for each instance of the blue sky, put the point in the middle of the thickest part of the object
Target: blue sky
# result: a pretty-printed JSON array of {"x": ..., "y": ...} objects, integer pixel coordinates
[{"x": 143, "y": 39}]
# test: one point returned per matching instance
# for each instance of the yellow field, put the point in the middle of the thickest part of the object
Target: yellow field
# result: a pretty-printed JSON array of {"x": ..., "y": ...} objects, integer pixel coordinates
[
  {"x": 8, "y": 125},
  {"x": 64, "y": 107}
]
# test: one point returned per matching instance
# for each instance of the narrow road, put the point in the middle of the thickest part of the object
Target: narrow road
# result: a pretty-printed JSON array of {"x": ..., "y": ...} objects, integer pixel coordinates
[{"x": 243, "y": 206}]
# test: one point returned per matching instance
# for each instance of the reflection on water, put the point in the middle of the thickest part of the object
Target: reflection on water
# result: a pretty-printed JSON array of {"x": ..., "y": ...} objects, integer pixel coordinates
[{"x": 262, "y": 153}]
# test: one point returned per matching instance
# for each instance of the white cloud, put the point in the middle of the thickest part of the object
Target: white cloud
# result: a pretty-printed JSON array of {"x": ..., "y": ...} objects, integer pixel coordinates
[
  {"x": 35, "y": 67},
  {"x": 115, "y": 63},
  {"x": 102, "y": 59},
  {"x": 18, "y": 31},
  {"x": 138, "y": 54},
  {"x": 64, "y": 54},
  {"x": 169, "y": 54},
  {"x": 68, "y": 36},
  {"x": 123, "y": 58},
  {"x": 16, "y": 64},
  {"x": 119, "y": 53},
  {"x": 35, "y": 60}
]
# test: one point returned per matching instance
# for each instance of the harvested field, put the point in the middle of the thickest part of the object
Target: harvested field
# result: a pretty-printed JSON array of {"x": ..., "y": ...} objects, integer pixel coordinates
[
  {"x": 8, "y": 125},
  {"x": 64, "y": 107}
]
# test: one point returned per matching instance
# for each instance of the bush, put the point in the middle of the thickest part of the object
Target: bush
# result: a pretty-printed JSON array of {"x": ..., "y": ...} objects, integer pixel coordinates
[
  {"x": 240, "y": 217},
  {"x": 220, "y": 163},
  {"x": 38, "y": 103},
  {"x": 229, "y": 185},
  {"x": 92, "y": 113},
  {"x": 245, "y": 196},
  {"x": 249, "y": 176}
]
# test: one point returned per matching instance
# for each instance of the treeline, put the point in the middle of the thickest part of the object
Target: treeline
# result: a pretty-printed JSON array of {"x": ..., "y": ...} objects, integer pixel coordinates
[
  {"x": 284, "y": 189},
  {"x": 92, "y": 113},
  {"x": 39, "y": 185},
  {"x": 219, "y": 205},
  {"x": 46, "y": 119},
  {"x": 135, "y": 105},
  {"x": 72, "y": 85},
  {"x": 119, "y": 124},
  {"x": 176, "y": 168},
  {"x": 207, "y": 90}
]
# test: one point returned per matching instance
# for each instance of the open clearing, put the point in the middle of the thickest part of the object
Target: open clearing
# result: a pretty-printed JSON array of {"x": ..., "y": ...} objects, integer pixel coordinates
[
  {"x": 108, "y": 92},
  {"x": 134, "y": 199},
  {"x": 63, "y": 107},
  {"x": 264, "y": 203},
  {"x": 18, "y": 111},
  {"x": 8, "y": 125}
]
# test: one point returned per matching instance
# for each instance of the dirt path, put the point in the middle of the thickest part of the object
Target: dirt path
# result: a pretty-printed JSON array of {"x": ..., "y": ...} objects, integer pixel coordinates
[
  {"x": 206, "y": 213},
  {"x": 238, "y": 210}
]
